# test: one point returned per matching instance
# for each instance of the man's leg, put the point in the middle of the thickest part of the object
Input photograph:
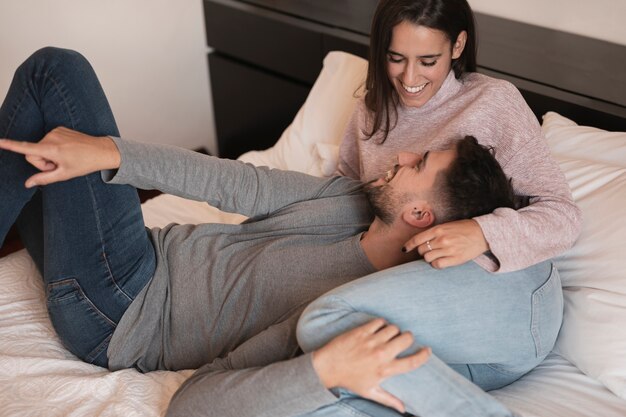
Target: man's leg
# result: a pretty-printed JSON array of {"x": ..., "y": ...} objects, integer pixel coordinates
[
  {"x": 489, "y": 328},
  {"x": 87, "y": 238}
]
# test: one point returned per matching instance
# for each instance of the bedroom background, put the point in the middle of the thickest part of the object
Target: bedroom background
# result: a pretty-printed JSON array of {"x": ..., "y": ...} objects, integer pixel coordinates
[{"x": 151, "y": 54}]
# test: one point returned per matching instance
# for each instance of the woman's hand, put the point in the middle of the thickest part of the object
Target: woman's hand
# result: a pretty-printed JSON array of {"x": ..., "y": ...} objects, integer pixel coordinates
[
  {"x": 359, "y": 360},
  {"x": 449, "y": 244},
  {"x": 64, "y": 154}
]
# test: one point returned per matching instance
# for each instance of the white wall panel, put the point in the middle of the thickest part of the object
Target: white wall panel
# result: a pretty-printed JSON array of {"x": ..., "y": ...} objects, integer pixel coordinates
[
  {"x": 149, "y": 54},
  {"x": 601, "y": 19}
]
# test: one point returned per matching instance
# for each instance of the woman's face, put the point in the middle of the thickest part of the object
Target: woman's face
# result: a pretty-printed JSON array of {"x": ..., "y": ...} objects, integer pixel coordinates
[{"x": 419, "y": 60}]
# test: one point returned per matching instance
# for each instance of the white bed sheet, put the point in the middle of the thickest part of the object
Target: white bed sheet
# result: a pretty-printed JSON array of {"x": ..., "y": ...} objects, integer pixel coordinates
[
  {"x": 556, "y": 388},
  {"x": 38, "y": 377}
]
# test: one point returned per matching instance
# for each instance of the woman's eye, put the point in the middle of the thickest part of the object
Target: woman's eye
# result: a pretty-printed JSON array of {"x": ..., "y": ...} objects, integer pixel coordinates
[
  {"x": 394, "y": 60},
  {"x": 429, "y": 63}
]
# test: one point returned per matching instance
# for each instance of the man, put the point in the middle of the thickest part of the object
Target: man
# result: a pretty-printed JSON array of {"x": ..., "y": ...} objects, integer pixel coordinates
[
  {"x": 255, "y": 379},
  {"x": 186, "y": 295}
]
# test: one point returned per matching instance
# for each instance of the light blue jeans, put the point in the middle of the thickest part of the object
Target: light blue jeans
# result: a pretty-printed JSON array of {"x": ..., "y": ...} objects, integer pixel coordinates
[{"x": 489, "y": 329}]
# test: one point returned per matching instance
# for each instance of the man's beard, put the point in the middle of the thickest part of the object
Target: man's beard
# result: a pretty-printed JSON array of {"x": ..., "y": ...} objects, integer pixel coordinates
[{"x": 384, "y": 201}]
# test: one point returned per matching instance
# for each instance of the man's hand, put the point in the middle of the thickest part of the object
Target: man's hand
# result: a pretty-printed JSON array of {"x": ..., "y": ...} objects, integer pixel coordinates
[
  {"x": 449, "y": 244},
  {"x": 64, "y": 154},
  {"x": 361, "y": 359}
]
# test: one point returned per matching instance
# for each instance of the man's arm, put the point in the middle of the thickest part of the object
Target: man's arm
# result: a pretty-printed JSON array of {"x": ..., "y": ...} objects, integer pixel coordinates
[
  {"x": 258, "y": 378},
  {"x": 229, "y": 185}
]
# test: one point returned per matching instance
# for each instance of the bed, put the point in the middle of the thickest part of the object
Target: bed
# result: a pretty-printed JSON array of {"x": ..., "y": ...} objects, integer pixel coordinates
[{"x": 584, "y": 376}]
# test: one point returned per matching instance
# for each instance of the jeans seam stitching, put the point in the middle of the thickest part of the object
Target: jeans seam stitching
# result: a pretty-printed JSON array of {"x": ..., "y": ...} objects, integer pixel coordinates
[
  {"x": 58, "y": 88},
  {"x": 66, "y": 102},
  {"x": 102, "y": 242},
  {"x": 352, "y": 410},
  {"x": 98, "y": 349},
  {"x": 502, "y": 371},
  {"x": 14, "y": 114}
]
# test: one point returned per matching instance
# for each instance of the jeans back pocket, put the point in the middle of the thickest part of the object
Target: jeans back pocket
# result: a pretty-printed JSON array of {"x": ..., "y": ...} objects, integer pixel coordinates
[{"x": 82, "y": 327}]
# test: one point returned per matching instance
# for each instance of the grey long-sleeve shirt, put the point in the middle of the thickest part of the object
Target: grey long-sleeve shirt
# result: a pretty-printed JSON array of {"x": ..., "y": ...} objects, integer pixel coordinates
[
  {"x": 218, "y": 287},
  {"x": 263, "y": 377}
]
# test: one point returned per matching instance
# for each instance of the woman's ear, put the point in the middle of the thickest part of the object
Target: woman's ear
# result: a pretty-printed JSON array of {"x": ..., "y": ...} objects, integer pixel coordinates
[{"x": 459, "y": 45}]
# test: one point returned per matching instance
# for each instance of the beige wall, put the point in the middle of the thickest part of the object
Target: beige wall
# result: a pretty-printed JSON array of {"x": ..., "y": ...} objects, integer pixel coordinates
[
  {"x": 601, "y": 19},
  {"x": 151, "y": 54}
]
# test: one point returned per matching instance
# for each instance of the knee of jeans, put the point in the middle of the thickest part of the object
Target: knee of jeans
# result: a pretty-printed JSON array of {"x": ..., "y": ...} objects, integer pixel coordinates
[
  {"x": 305, "y": 331},
  {"x": 52, "y": 56},
  {"x": 321, "y": 321},
  {"x": 310, "y": 326}
]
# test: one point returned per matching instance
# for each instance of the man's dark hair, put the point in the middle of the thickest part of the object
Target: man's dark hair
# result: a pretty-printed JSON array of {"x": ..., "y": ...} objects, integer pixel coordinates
[{"x": 473, "y": 185}]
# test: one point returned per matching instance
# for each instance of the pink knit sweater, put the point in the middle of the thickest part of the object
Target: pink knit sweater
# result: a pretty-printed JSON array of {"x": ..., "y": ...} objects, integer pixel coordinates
[{"x": 496, "y": 114}]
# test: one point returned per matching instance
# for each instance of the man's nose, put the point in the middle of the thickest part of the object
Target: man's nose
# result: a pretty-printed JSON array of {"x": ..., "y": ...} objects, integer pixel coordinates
[{"x": 408, "y": 158}]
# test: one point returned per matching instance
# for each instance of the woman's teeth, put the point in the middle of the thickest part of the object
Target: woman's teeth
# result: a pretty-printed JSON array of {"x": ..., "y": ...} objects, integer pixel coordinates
[{"x": 414, "y": 90}]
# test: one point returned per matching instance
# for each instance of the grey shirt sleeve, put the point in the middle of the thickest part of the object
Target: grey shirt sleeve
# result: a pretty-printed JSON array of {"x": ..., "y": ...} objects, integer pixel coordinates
[
  {"x": 255, "y": 380},
  {"x": 231, "y": 186}
]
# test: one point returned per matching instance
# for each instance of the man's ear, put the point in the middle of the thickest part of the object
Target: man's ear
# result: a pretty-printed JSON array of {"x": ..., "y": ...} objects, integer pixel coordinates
[
  {"x": 421, "y": 216},
  {"x": 459, "y": 45}
]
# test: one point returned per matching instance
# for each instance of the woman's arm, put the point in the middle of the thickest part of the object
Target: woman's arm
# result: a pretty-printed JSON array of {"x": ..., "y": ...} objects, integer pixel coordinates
[
  {"x": 349, "y": 162},
  {"x": 516, "y": 239}
]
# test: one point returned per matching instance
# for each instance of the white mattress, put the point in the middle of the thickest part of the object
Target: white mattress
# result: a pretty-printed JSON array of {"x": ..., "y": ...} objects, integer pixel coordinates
[{"x": 39, "y": 377}]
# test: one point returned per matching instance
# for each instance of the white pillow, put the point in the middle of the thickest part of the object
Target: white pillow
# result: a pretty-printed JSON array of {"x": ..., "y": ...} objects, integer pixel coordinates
[
  {"x": 593, "y": 272},
  {"x": 311, "y": 143},
  {"x": 584, "y": 142}
]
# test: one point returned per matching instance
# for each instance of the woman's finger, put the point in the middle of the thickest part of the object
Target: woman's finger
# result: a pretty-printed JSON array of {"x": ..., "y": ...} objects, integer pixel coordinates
[
  {"x": 437, "y": 253},
  {"x": 419, "y": 240},
  {"x": 428, "y": 246}
]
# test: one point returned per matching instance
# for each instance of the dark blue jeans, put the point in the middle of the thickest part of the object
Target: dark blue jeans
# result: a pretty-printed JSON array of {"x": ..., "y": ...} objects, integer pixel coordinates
[{"x": 87, "y": 238}]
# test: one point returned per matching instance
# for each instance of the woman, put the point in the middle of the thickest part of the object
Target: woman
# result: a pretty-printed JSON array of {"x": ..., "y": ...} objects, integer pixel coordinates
[{"x": 422, "y": 92}]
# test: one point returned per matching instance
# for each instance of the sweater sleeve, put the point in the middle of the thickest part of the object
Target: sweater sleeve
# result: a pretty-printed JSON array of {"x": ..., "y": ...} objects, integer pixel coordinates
[
  {"x": 551, "y": 223},
  {"x": 229, "y": 185},
  {"x": 255, "y": 380},
  {"x": 349, "y": 163}
]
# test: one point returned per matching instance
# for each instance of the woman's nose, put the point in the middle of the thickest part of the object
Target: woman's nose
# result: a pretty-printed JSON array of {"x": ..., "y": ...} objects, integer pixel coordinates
[{"x": 409, "y": 77}]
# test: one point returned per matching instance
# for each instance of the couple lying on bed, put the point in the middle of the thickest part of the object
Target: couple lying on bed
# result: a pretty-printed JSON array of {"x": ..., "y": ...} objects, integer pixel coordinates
[{"x": 232, "y": 299}]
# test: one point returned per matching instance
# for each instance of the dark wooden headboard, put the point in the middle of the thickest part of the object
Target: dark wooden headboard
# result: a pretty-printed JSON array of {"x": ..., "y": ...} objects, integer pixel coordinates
[
  {"x": 267, "y": 54},
  {"x": 581, "y": 78}
]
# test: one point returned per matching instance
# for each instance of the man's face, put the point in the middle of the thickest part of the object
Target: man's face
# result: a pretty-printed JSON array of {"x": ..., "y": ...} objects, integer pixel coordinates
[{"x": 412, "y": 178}]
